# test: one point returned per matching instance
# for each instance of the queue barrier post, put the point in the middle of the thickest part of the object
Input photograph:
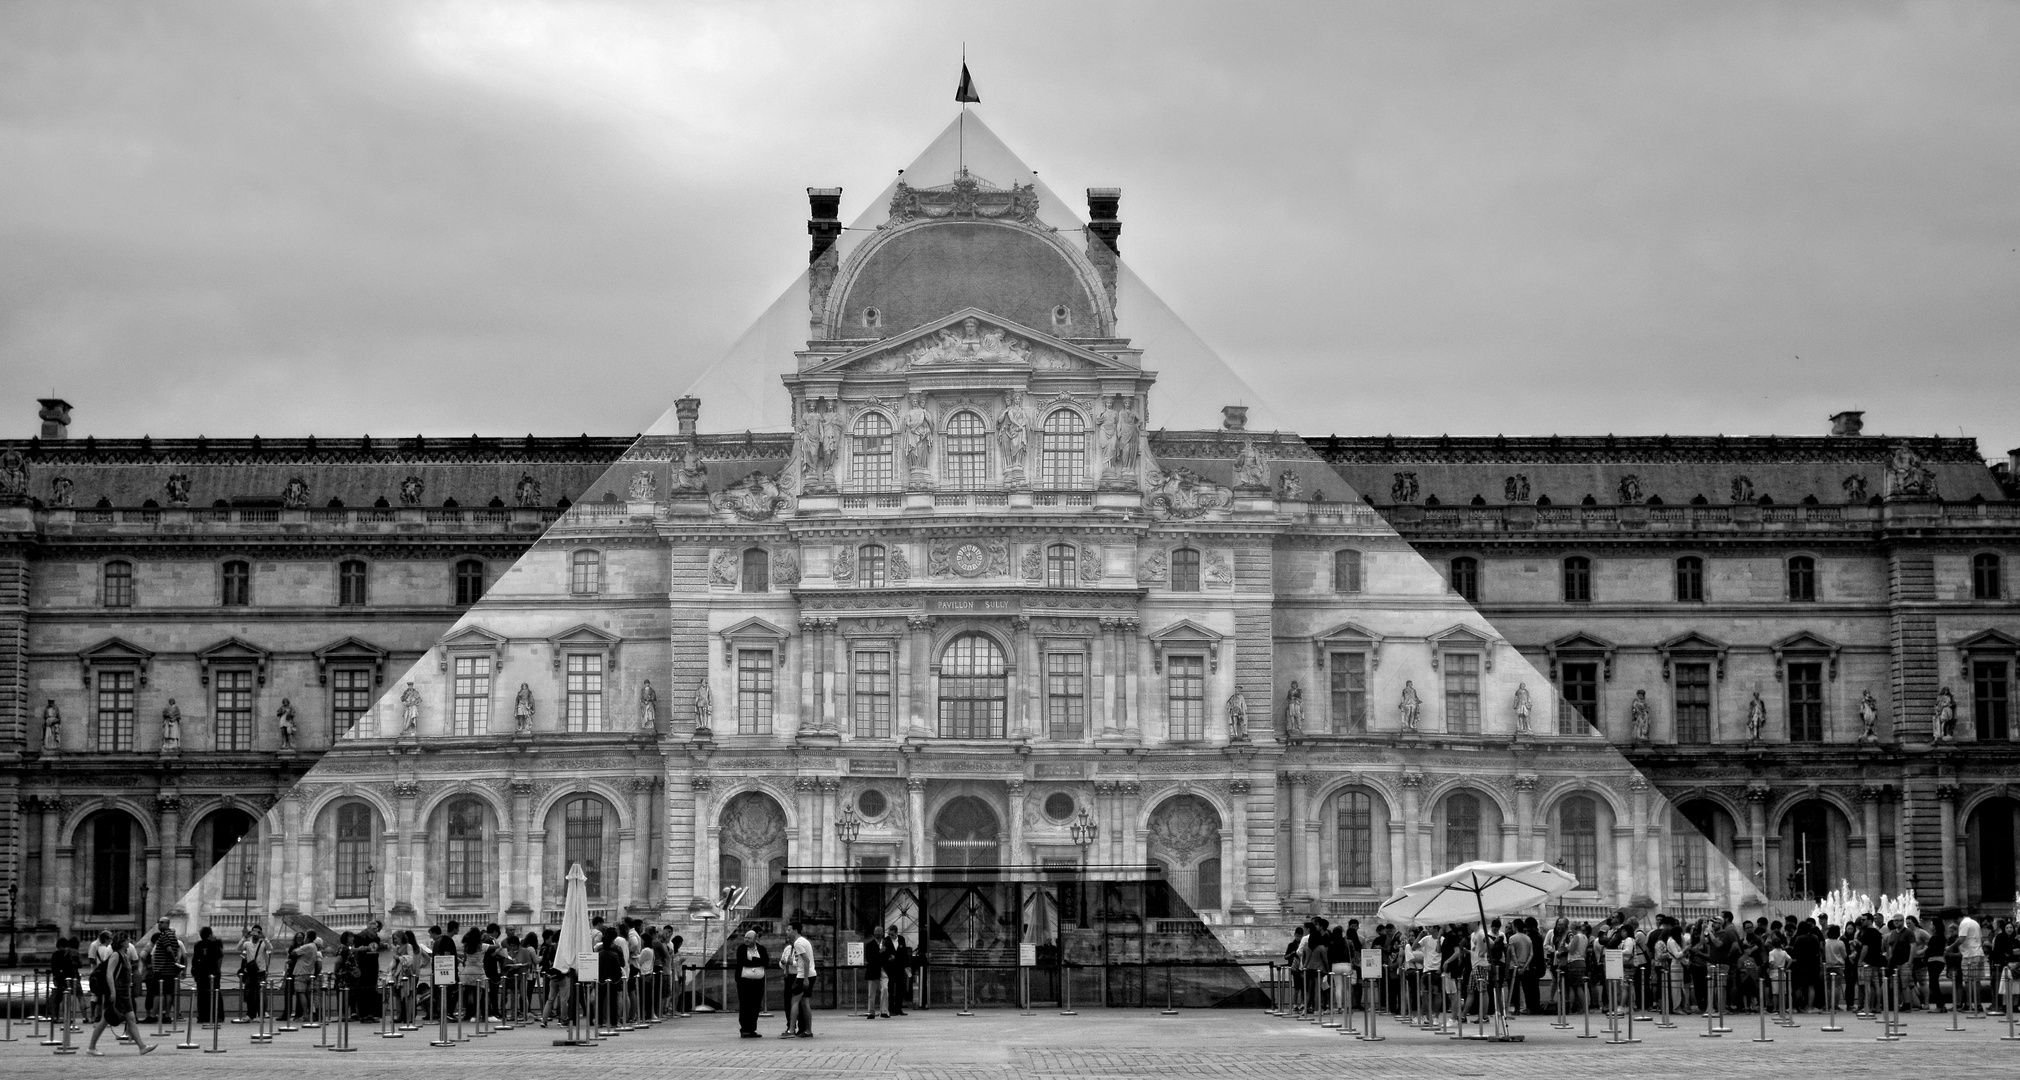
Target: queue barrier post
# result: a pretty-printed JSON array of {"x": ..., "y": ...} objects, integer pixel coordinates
[
  {"x": 442, "y": 1040},
  {"x": 1585, "y": 1002},
  {"x": 217, "y": 1015},
  {"x": 1368, "y": 1009},
  {"x": 189, "y": 1019},
  {"x": 2012, "y": 977},
  {"x": 343, "y": 1022},
  {"x": 64, "y": 1014}
]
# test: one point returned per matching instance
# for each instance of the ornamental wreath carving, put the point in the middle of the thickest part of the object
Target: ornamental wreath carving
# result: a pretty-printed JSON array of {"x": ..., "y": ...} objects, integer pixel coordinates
[
  {"x": 969, "y": 558},
  {"x": 1185, "y": 826},
  {"x": 967, "y": 196},
  {"x": 756, "y": 497},
  {"x": 753, "y": 821},
  {"x": 1182, "y": 493},
  {"x": 723, "y": 570}
]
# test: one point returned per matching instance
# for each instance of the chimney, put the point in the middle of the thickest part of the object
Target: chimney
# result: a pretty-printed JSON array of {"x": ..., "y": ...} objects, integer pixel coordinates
[
  {"x": 824, "y": 220},
  {"x": 1849, "y": 422},
  {"x": 55, "y": 414},
  {"x": 1104, "y": 235},
  {"x": 687, "y": 410},
  {"x": 1234, "y": 417}
]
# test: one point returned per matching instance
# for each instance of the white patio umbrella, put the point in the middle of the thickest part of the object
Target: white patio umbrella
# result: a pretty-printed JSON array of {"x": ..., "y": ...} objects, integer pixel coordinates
[
  {"x": 575, "y": 939},
  {"x": 1476, "y": 890}
]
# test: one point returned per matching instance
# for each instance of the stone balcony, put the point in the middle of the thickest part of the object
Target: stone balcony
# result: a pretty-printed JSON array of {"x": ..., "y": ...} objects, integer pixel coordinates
[{"x": 211, "y": 521}]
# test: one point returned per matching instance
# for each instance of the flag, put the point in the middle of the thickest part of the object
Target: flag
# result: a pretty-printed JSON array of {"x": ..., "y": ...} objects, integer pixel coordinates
[{"x": 966, "y": 91}]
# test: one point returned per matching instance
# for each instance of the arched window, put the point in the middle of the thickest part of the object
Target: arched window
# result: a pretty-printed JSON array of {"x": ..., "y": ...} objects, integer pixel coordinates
[
  {"x": 757, "y": 570},
  {"x": 464, "y": 831},
  {"x": 974, "y": 692},
  {"x": 1578, "y": 836},
  {"x": 870, "y": 566},
  {"x": 110, "y": 833},
  {"x": 585, "y": 572},
  {"x": 1062, "y": 566},
  {"x": 1802, "y": 578},
  {"x": 119, "y": 583},
  {"x": 1346, "y": 571},
  {"x": 965, "y": 834},
  {"x": 1185, "y": 570},
  {"x": 1578, "y": 579},
  {"x": 1690, "y": 578},
  {"x": 870, "y": 466},
  {"x": 1063, "y": 450},
  {"x": 582, "y": 841},
  {"x": 1465, "y": 578},
  {"x": 237, "y": 583},
  {"x": 967, "y": 452},
  {"x": 354, "y": 850},
  {"x": 351, "y": 583},
  {"x": 236, "y": 862},
  {"x": 1985, "y": 583},
  {"x": 1206, "y": 884},
  {"x": 1462, "y": 829},
  {"x": 469, "y": 581},
  {"x": 1356, "y": 840}
]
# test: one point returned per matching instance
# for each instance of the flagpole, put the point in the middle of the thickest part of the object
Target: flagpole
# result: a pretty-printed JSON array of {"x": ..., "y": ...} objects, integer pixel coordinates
[{"x": 961, "y": 126}]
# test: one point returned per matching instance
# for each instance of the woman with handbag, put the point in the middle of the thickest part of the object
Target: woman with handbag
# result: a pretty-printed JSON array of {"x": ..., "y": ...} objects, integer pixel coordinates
[
  {"x": 752, "y": 961},
  {"x": 113, "y": 983}
]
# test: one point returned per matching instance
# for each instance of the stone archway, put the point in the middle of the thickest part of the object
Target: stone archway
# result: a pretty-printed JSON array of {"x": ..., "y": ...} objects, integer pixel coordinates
[
  {"x": 1991, "y": 848},
  {"x": 1184, "y": 838},
  {"x": 967, "y": 833},
  {"x": 753, "y": 841}
]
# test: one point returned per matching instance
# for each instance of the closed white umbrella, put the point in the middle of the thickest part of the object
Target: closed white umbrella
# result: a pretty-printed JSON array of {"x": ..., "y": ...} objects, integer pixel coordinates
[
  {"x": 1476, "y": 890},
  {"x": 575, "y": 939}
]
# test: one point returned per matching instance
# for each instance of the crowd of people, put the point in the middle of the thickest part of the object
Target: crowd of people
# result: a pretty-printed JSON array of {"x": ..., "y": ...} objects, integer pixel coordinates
[{"x": 1706, "y": 965}]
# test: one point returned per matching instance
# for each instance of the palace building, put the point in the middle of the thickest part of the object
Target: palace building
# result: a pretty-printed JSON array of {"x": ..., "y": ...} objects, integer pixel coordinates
[{"x": 981, "y": 609}]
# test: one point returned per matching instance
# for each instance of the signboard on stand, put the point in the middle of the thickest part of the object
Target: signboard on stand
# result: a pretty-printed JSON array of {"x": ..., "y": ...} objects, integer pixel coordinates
[
  {"x": 1616, "y": 964},
  {"x": 855, "y": 954},
  {"x": 445, "y": 970},
  {"x": 1027, "y": 954}
]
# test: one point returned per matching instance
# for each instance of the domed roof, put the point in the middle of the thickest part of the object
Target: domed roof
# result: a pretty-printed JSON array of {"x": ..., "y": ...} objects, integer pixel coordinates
[{"x": 924, "y": 270}]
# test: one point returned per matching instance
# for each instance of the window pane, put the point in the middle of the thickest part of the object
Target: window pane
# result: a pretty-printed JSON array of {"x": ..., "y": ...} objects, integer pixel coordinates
[
  {"x": 351, "y": 583},
  {"x": 870, "y": 566},
  {"x": 1802, "y": 578},
  {"x": 1466, "y": 578},
  {"x": 1347, "y": 571},
  {"x": 1066, "y": 695},
  {"x": 1185, "y": 696},
  {"x": 118, "y": 584},
  {"x": 1357, "y": 841},
  {"x": 1578, "y": 701},
  {"x": 757, "y": 570},
  {"x": 1462, "y": 830},
  {"x": 232, "y": 725},
  {"x": 870, "y": 467},
  {"x": 1349, "y": 673},
  {"x": 465, "y": 855},
  {"x": 237, "y": 584},
  {"x": 1063, "y": 450},
  {"x": 115, "y": 710},
  {"x": 585, "y": 693},
  {"x": 753, "y": 691},
  {"x": 354, "y": 845},
  {"x": 1578, "y": 826},
  {"x": 585, "y": 572},
  {"x": 1985, "y": 576},
  {"x": 1806, "y": 702},
  {"x": 974, "y": 691},
  {"x": 1185, "y": 570},
  {"x": 1989, "y": 699},
  {"x": 582, "y": 842},
  {"x": 1062, "y": 566},
  {"x": 350, "y": 698},
  {"x": 967, "y": 453},
  {"x": 1693, "y": 703},
  {"x": 873, "y": 695},
  {"x": 1577, "y": 579},
  {"x": 469, "y": 582},
  {"x": 1462, "y": 693},
  {"x": 1690, "y": 578},
  {"x": 471, "y": 714}
]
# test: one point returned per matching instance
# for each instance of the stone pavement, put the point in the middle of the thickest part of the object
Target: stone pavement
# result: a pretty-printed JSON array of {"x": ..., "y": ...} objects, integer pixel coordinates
[{"x": 1098, "y": 1044}]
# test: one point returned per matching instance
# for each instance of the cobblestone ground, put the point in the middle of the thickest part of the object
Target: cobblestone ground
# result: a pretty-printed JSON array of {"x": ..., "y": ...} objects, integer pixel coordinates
[{"x": 1100, "y": 1044}]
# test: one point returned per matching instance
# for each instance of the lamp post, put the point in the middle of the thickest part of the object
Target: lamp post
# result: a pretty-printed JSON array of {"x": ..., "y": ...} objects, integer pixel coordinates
[
  {"x": 371, "y": 876},
  {"x": 847, "y": 827},
  {"x": 1084, "y": 829},
  {"x": 143, "y": 905},
  {"x": 13, "y": 921},
  {"x": 245, "y": 889}
]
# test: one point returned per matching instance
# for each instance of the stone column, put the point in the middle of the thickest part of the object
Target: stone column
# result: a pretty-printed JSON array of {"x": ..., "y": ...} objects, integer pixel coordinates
[
  {"x": 1235, "y": 894},
  {"x": 800, "y": 849},
  {"x": 833, "y": 664},
  {"x": 1638, "y": 881},
  {"x": 519, "y": 897},
  {"x": 1525, "y": 817},
  {"x": 1757, "y": 796},
  {"x": 1869, "y": 813},
  {"x": 52, "y": 824},
  {"x": 409, "y": 869},
  {"x": 1311, "y": 879},
  {"x": 825, "y": 840},
  {"x": 1099, "y": 661},
  {"x": 1013, "y": 800},
  {"x": 1946, "y": 809},
  {"x": 636, "y": 875},
  {"x": 1131, "y": 843},
  {"x": 1129, "y": 697},
  {"x": 1415, "y": 854},
  {"x": 1295, "y": 854},
  {"x": 1104, "y": 815},
  {"x": 705, "y": 860},
  {"x": 168, "y": 818},
  {"x": 287, "y": 899},
  {"x": 1623, "y": 863},
  {"x": 921, "y": 671},
  {"x": 806, "y": 653},
  {"x": 1017, "y": 675},
  {"x": 1033, "y": 703},
  {"x": 915, "y": 806}
]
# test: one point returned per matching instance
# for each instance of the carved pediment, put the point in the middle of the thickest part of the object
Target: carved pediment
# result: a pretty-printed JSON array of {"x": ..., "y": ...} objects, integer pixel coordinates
[
  {"x": 353, "y": 652},
  {"x": 1692, "y": 644},
  {"x": 1804, "y": 644},
  {"x": 971, "y": 337},
  {"x": 583, "y": 637},
  {"x": 1185, "y": 636},
  {"x": 1463, "y": 638},
  {"x": 115, "y": 652},
  {"x": 1581, "y": 645},
  {"x": 1348, "y": 635},
  {"x": 232, "y": 650}
]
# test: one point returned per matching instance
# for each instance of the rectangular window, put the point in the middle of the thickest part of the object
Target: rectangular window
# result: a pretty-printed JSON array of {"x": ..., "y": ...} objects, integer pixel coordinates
[
  {"x": 873, "y": 695},
  {"x": 1466, "y": 578},
  {"x": 1462, "y": 693},
  {"x": 237, "y": 584},
  {"x": 233, "y": 864},
  {"x": 351, "y": 584},
  {"x": 472, "y": 711},
  {"x": 232, "y": 722},
  {"x": 115, "y": 709},
  {"x": 350, "y": 698},
  {"x": 119, "y": 584},
  {"x": 1690, "y": 578},
  {"x": 1806, "y": 702},
  {"x": 1066, "y": 695},
  {"x": 1578, "y": 700},
  {"x": 1695, "y": 854},
  {"x": 1989, "y": 699},
  {"x": 585, "y": 692},
  {"x": 1185, "y": 570},
  {"x": 465, "y": 854},
  {"x": 1357, "y": 841},
  {"x": 1693, "y": 704},
  {"x": 1578, "y": 579},
  {"x": 753, "y": 691},
  {"x": 1185, "y": 696},
  {"x": 870, "y": 567},
  {"x": 1349, "y": 692}
]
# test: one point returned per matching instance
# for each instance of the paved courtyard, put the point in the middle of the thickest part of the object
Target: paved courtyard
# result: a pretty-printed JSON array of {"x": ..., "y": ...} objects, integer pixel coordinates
[{"x": 1002, "y": 1045}]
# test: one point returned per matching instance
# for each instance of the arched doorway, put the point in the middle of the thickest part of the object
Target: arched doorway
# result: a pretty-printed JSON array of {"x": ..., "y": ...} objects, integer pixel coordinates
[
  {"x": 1184, "y": 838},
  {"x": 1705, "y": 836},
  {"x": 1815, "y": 848},
  {"x": 582, "y": 828},
  {"x": 109, "y": 852},
  {"x": 226, "y": 846},
  {"x": 753, "y": 842},
  {"x": 1991, "y": 850},
  {"x": 966, "y": 834}
]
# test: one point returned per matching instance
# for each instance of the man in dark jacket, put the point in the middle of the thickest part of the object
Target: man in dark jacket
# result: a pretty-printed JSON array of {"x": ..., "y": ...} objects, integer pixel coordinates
[
  {"x": 876, "y": 1001},
  {"x": 206, "y": 966}
]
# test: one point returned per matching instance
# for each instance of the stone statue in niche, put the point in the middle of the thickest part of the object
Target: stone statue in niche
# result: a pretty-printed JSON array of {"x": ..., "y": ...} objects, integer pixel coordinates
[
  {"x": 643, "y": 487},
  {"x": 295, "y": 493},
  {"x": 1638, "y": 717},
  {"x": 1756, "y": 718},
  {"x": 284, "y": 721},
  {"x": 410, "y": 711},
  {"x": 690, "y": 475},
  {"x": 1289, "y": 487},
  {"x": 1855, "y": 488},
  {"x": 1869, "y": 715},
  {"x": 1945, "y": 724},
  {"x": 177, "y": 489},
  {"x": 1630, "y": 488},
  {"x": 648, "y": 707},
  {"x": 1237, "y": 716},
  {"x": 527, "y": 491},
  {"x": 1117, "y": 433},
  {"x": 522, "y": 710},
  {"x": 1908, "y": 474},
  {"x": 1403, "y": 488},
  {"x": 1515, "y": 489},
  {"x": 1742, "y": 489},
  {"x": 1523, "y": 707},
  {"x": 171, "y": 728},
  {"x": 916, "y": 425},
  {"x": 410, "y": 491},
  {"x": 1294, "y": 710},
  {"x": 1250, "y": 470},
  {"x": 62, "y": 492},
  {"x": 52, "y": 728},
  {"x": 1410, "y": 706},
  {"x": 704, "y": 711},
  {"x": 1013, "y": 438},
  {"x": 13, "y": 476}
]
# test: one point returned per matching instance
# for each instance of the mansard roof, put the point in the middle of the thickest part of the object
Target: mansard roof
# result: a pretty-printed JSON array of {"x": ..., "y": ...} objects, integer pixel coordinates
[{"x": 940, "y": 345}]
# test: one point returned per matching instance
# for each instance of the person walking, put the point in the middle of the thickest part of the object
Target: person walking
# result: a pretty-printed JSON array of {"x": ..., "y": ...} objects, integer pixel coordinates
[
  {"x": 898, "y": 969},
  {"x": 752, "y": 961},
  {"x": 113, "y": 983},
  {"x": 876, "y": 1000},
  {"x": 798, "y": 962},
  {"x": 206, "y": 967}
]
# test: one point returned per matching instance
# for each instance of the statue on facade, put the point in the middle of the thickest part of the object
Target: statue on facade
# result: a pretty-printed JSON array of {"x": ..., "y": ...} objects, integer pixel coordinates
[
  {"x": 1523, "y": 707},
  {"x": 1237, "y": 716},
  {"x": 1756, "y": 718},
  {"x": 410, "y": 711},
  {"x": 1290, "y": 487},
  {"x": 1907, "y": 474},
  {"x": 177, "y": 489},
  {"x": 1637, "y": 716},
  {"x": 295, "y": 493},
  {"x": 13, "y": 476},
  {"x": 1013, "y": 438},
  {"x": 1294, "y": 710},
  {"x": 916, "y": 424},
  {"x": 704, "y": 711},
  {"x": 52, "y": 728},
  {"x": 1946, "y": 715},
  {"x": 527, "y": 491},
  {"x": 689, "y": 475},
  {"x": 285, "y": 718},
  {"x": 643, "y": 488},
  {"x": 522, "y": 710},
  {"x": 410, "y": 491},
  {"x": 1410, "y": 705},
  {"x": 1250, "y": 470},
  {"x": 171, "y": 727},
  {"x": 1869, "y": 715},
  {"x": 648, "y": 707},
  {"x": 1128, "y": 437}
]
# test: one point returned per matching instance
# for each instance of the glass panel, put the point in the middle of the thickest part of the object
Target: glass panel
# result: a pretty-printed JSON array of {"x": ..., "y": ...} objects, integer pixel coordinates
[
  {"x": 1693, "y": 703},
  {"x": 465, "y": 833},
  {"x": 582, "y": 842},
  {"x": 1578, "y": 702},
  {"x": 1806, "y": 703},
  {"x": 354, "y": 845},
  {"x": 873, "y": 695},
  {"x": 1185, "y": 570},
  {"x": 1349, "y": 672},
  {"x": 350, "y": 698},
  {"x": 1066, "y": 695},
  {"x": 1356, "y": 840},
  {"x": 1462, "y": 830},
  {"x": 974, "y": 689},
  {"x": 1462, "y": 693},
  {"x": 115, "y": 710},
  {"x": 471, "y": 714},
  {"x": 1578, "y": 826},
  {"x": 753, "y": 691},
  {"x": 1063, "y": 450},
  {"x": 1185, "y": 696},
  {"x": 1989, "y": 699},
  {"x": 967, "y": 454},
  {"x": 232, "y": 726},
  {"x": 585, "y": 692},
  {"x": 870, "y": 467}
]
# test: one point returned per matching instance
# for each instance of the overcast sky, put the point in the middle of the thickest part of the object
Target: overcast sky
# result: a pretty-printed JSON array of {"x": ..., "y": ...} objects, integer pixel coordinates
[{"x": 353, "y": 218}]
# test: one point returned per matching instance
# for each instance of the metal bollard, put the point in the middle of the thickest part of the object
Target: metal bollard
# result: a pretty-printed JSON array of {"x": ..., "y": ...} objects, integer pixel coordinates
[
  {"x": 1368, "y": 1008},
  {"x": 1665, "y": 982},
  {"x": 1562, "y": 1023},
  {"x": 343, "y": 1022},
  {"x": 1585, "y": 999},
  {"x": 317, "y": 995},
  {"x": 216, "y": 1014},
  {"x": 65, "y": 1014},
  {"x": 480, "y": 1026},
  {"x": 2012, "y": 976},
  {"x": 189, "y": 1019},
  {"x": 1833, "y": 983},
  {"x": 442, "y": 1039}
]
